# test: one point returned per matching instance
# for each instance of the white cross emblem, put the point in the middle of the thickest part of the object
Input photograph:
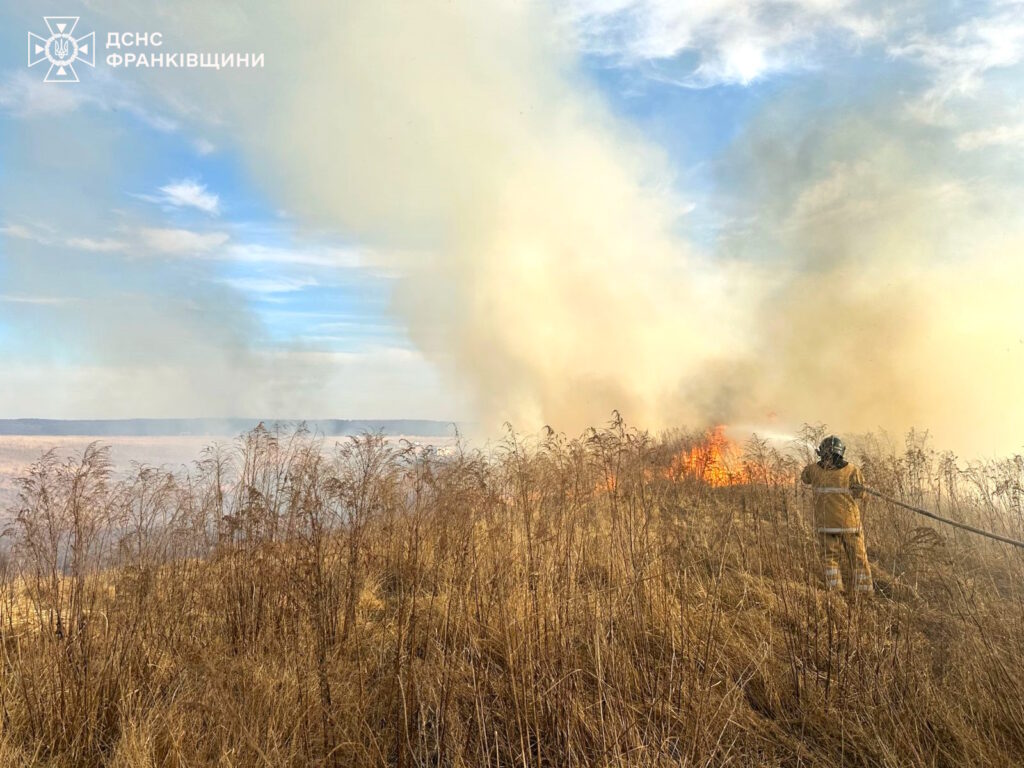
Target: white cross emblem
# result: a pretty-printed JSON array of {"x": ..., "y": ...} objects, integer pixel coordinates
[{"x": 61, "y": 49}]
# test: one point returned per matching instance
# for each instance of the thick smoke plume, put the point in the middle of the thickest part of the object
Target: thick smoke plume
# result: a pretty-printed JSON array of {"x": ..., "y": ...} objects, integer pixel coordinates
[{"x": 547, "y": 269}]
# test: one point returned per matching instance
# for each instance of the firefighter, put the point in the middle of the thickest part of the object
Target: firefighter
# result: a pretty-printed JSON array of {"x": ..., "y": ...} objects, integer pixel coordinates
[{"x": 837, "y": 484}]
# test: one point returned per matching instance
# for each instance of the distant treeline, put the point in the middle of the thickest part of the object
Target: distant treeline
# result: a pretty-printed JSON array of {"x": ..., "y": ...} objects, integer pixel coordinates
[{"x": 216, "y": 427}]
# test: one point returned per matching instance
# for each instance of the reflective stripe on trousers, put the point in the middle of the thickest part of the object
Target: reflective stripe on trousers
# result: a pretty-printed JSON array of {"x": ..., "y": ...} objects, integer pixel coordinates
[{"x": 846, "y": 547}]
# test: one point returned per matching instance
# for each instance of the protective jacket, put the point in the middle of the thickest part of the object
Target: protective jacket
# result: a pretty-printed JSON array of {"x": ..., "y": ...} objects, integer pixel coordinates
[{"x": 835, "y": 505}]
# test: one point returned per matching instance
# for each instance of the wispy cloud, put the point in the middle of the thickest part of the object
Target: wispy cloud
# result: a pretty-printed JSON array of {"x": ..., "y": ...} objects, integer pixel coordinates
[
  {"x": 24, "y": 95},
  {"x": 104, "y": 245},
  {"x": 962, "y": 54},
  {"x": 190, "y": 194},
  {"x": 216, "y": 245},
  {"x": 182, "y": 241},
  {"x": 186, "y": 193},
  {"x": 42, "y": 300},
  {"x": 49, "y": 237},
  {"x": 270, "y": 285},
  {"x": 998, "y": 136},
  {"x": 729, "y": 41},
  {"x": 314, "y": 256},
  {"x": 19, "y": 231},
  {"x": 715, "y": 42},
  {"x": 960, "y": 57}
]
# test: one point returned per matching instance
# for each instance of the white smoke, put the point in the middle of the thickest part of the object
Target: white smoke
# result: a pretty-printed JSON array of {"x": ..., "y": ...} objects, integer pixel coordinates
[{"x": 547, "y": 273}]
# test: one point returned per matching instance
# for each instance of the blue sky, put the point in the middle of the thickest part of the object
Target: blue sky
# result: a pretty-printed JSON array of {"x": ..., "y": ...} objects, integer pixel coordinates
[
  {"x": 124, "y": 227},
  {"x": 161, "y": 255}
]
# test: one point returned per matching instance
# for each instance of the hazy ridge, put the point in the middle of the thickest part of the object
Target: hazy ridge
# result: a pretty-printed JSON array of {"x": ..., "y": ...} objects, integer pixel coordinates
[{"x": 216, "y": 427}]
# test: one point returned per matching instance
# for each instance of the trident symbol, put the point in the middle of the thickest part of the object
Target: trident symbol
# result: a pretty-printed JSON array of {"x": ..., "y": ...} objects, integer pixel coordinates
[{"x": 61, "y": 49}]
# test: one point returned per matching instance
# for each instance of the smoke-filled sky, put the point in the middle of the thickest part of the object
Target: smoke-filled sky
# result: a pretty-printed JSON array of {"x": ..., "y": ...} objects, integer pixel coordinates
[{"x": 759, "y": 214}]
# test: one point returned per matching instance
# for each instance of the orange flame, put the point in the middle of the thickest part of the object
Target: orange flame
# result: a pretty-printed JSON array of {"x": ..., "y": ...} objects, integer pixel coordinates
[{"x": 716, "y": 460}]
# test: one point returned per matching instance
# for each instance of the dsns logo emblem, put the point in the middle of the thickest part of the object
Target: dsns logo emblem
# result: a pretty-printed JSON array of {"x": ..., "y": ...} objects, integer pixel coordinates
[{"x": 61, "y": 49}]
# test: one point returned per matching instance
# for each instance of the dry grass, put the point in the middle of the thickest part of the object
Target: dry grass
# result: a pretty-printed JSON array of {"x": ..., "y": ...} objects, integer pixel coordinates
[
  {"x": 556, "y": 602},
  {"x": 18, "y": 451}
]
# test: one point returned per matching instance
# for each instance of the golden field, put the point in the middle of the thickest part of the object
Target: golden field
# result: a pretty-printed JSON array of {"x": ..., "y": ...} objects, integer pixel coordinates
[
  {"x": 17, "y": 452},
  {"x": 551, "y": 601}
]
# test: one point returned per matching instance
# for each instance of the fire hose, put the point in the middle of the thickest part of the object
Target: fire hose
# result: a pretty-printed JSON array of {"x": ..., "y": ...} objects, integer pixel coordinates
[{"x": 933, "y": 516}]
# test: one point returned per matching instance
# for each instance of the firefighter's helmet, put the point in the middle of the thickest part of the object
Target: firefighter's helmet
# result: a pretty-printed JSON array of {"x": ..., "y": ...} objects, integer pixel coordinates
[{"x": 831, "y": 446}]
